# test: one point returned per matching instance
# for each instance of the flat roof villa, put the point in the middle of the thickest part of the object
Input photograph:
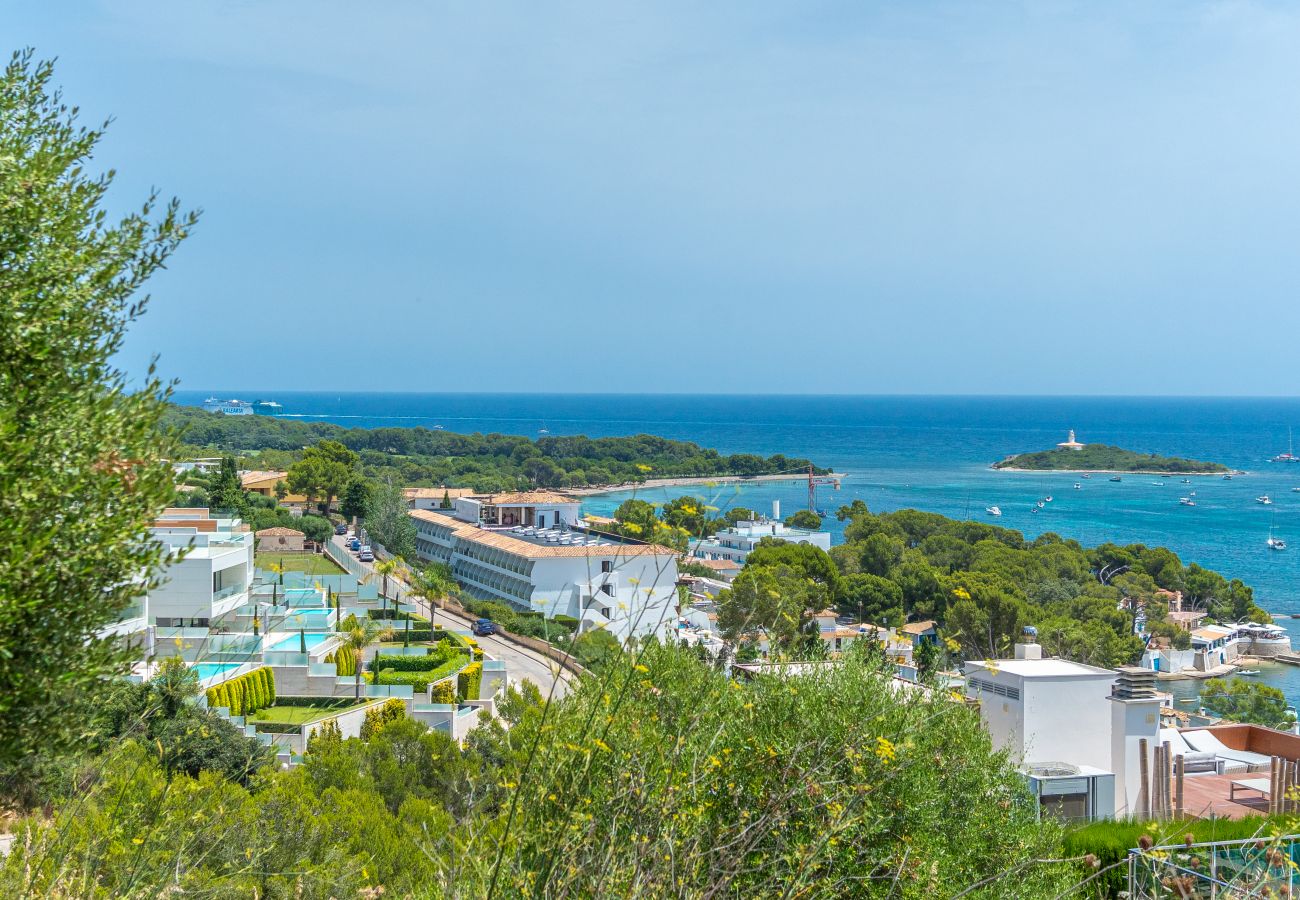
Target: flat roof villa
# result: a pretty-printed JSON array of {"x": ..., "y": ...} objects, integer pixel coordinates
[
  {"x": 527, "y": 549},
  {"x": 1080, "y": 733},
  {"x": 736, "y": 543}
]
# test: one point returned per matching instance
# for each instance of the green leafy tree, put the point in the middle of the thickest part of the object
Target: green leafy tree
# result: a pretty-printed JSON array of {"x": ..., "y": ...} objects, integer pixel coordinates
[
  {"x": 1248, "y": 701},
  {"x": 805, "y": 519},
  {"x": 228, "y": 490},
  {"x": 777, "y": 600},
  {"x": 388, "y": 521},
  {"x": 870, "y": 598},
  {"x": 81, "y": 475},
  {"x": 356, "y": 496}
]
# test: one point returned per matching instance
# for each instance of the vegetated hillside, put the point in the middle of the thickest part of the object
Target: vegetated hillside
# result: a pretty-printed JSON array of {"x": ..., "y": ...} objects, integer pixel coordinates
[
  {"x": 482, "y": 462},
  {"x": 981, "y": 583},
  {"x": 1105, "y": 458}
]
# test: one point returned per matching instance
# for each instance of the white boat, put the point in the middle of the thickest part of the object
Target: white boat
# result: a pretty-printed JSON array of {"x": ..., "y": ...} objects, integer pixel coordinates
[
  {"x": 1086, "y": 475},
  {"x": 1274, "y": 543},
  {"x": 1158, "y": 483},
  {"x": 1041, "y": 504},
  {"x": 1047, "y": 499},
  {"x": 1187, "y": 481},
  {"x": 1263, "y": 498},
  {"x": 1289, "y": 456},
  {"x": 1249, "y": 672},
  {"x": 1186, "y": 501},
  {"x": 1077, "y": 486},
  {"x": 993, "y": 510}
]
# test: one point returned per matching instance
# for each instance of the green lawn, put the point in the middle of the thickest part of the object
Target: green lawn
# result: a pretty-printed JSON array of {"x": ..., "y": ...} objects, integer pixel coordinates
[
  {"x": 311, "y": 563},
  {"x": 301, "y": 715}
]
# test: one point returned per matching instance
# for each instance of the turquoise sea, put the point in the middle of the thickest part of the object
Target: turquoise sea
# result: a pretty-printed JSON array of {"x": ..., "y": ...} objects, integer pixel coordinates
[{"x": 934, "y": 453}]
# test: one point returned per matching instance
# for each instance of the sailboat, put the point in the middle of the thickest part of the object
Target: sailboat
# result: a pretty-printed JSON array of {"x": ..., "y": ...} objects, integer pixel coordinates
[
  {"x": 1289, "y": 456},
  {"x": 1275, "y": 543},
  {"x": 543, "y": 429}
]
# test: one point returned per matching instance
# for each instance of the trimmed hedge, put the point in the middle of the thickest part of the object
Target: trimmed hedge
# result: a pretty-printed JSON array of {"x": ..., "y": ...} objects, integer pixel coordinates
[
  {"x": 444, "y": 692},
  {"x": 246, "y": 694},
  {"x": 470, "y": 681},
  {"x": 420, "y": 680}
]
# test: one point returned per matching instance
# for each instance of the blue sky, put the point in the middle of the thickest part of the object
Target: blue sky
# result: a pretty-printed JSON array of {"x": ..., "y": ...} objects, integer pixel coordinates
[{"x": 744, "y": 196}]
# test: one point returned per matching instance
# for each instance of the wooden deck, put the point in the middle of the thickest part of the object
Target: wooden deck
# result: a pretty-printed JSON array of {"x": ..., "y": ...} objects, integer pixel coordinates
[{"x": 1207, "y": 795}]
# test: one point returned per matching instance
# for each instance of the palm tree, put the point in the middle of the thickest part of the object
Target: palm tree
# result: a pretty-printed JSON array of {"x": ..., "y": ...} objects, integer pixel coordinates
[
  {"x": 355, "y": 643},
  {"x": 430, "y": 585},
  {"x": 388, "y": 567}
]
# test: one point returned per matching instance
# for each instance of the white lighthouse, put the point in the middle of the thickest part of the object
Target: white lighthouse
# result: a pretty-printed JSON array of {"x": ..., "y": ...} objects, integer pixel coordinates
[{"x": 1071, "y": 444}]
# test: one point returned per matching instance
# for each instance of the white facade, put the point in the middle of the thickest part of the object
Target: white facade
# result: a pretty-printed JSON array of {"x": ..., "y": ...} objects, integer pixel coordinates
[
  {"x": 736, "y": 543},
  {"x": 626, "y": 588},
  {"x": 210, "y": 578},
  {"x": 1047, "y": 712}
]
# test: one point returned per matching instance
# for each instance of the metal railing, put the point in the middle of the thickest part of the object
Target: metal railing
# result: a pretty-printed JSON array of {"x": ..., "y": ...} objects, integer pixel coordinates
[{"x": 1265, "y": 866}]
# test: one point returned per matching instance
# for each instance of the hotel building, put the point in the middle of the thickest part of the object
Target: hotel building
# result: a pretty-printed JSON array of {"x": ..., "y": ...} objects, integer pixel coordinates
[{"x": 528, "y": 550}]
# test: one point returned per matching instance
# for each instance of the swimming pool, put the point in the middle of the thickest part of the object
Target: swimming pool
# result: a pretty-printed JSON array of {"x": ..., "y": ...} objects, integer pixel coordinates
[
  {"x": 294, "y": 642},
  {"x": 211, "y": 670}
]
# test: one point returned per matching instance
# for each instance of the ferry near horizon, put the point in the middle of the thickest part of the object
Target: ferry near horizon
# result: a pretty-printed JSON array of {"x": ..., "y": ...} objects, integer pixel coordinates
[{"x": 235, "y": 407}]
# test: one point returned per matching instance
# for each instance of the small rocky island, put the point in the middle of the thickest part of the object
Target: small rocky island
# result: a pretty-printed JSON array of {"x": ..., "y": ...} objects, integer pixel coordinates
[{"x": 1072, "y": 456}]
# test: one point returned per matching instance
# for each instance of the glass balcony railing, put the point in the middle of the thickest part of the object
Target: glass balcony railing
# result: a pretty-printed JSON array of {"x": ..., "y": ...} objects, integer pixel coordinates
[{"x": 227, "y": 592}]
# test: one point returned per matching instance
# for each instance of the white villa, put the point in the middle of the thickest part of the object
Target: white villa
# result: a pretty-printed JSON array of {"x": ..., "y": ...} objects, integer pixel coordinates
[
  {"x": 1072, "y": 729},
  {"x": 736, "y": 543},
  {"x": 528, "y": 549}
]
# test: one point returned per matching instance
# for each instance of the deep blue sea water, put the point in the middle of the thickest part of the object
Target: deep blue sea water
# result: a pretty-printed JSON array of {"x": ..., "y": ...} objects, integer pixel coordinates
[{"x": 934, "y": 453}]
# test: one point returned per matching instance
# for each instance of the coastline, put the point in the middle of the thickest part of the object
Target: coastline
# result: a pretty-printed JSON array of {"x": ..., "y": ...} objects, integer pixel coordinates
[
  {"x": 686, "y": 481},
  {"x": 1161, "y": 472}
]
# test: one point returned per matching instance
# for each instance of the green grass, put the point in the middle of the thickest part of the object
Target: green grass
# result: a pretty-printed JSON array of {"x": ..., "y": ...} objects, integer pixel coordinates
[
  {"x": 311, "y": 563},
  {"x": 301, "y": 715}
]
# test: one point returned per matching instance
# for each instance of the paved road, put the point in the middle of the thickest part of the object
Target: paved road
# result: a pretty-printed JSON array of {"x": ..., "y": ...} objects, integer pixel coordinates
[{"x": 520, "y": 662}]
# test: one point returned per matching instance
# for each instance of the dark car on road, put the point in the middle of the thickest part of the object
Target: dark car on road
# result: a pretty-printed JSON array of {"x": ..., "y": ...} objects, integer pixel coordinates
[
  {"x": 484, "y": 626},
  {"x": 354, "y": 544},
  {"x": 340, "y": 529}
]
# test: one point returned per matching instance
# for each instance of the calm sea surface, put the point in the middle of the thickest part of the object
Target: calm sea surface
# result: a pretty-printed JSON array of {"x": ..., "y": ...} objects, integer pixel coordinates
[{"x": 933, "y": 453}]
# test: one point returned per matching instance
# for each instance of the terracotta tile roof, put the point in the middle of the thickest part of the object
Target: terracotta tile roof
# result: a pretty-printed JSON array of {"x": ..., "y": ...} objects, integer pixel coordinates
[
  {"x": 248, "y": 478},
  {"x": 516, "y": 497},
  {"x": 917, "y": 627},
  {"x": 718, "y": 565},
  {"x": 503, "y": 541},
  {"x": 435, "y": 493},
  {"x": 279, "y": 531}
]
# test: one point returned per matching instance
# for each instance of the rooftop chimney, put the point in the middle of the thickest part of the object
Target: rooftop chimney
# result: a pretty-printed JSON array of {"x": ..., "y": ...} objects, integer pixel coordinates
[
  {"x": 776, "y": 510},
  {"x": 1029, "y": 648}
]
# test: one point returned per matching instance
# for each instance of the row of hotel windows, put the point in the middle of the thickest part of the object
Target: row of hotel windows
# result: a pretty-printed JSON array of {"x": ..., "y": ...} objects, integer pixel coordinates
[
  {"x": 492, "y": 556},
  {"x": 432, "y": 550},
  {"x": 516, "y": 588}
]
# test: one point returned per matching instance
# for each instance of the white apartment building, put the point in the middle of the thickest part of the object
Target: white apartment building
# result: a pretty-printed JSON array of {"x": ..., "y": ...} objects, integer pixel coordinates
[
  {"x": 736, "y": 543},
  {"x": 1074, "y": 733},
  {"x": 526, "y": 549},
  {"x": 210, "y": 578}
]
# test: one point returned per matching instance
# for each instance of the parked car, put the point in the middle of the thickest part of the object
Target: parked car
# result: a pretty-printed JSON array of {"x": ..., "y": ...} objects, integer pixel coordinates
[
  {"x": 484, "y": 626},
  {"x": 354, "y": 544},
  {"x": 366, "y": 555},
  {"x": 340, "y": 529}
]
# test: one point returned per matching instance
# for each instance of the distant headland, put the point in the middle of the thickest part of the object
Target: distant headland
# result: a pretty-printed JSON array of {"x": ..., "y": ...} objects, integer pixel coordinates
[{"x": 1072, "y": 456}]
